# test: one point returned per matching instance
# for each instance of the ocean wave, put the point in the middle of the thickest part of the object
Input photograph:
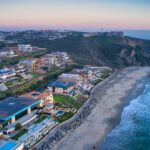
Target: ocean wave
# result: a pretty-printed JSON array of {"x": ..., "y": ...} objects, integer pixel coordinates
[{"x": 133, "y": 132}]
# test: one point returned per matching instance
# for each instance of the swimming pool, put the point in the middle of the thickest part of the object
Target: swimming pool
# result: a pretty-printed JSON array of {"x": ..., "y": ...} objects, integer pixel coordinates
[
  {"x": 5, "y": 144},
  {"x": 59, "y": 113}
]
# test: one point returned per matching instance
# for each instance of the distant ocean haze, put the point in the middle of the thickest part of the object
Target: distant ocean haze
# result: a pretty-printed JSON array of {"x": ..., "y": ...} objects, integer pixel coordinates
[{"x": 142, "y": 34}]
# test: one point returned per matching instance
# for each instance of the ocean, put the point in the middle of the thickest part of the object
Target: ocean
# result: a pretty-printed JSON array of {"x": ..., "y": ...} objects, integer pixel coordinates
[
  {"x": 142, "y": 34},
  {"x": 133, "y": 132}
]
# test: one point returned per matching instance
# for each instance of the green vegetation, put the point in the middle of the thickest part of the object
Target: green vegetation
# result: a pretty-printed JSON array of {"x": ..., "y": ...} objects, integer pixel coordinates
[
  {"x": 106, "y": 73},
  {"x": 100, "y": 50},
  {"x": 18, "y": 126},
  {"x": 15, "y": 60},
  {"x": 67, "y": 101},
  {"x": 19, "y": 134},
  {"x": 53, "y": 73},
  {"x": 41, "y": 119},
  {"x": 34, "y": 75},
  {"x": 66, "y": 116},
  {"x": 9, "y": 83},
  {"x": 14, "y": 82}
]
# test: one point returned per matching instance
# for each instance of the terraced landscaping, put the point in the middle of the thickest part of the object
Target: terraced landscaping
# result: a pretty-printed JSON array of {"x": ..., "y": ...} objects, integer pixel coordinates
[{"x": 67, "y": 101}]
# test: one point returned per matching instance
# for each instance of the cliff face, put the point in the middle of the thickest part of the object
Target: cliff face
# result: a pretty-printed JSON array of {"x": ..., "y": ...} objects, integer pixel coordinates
[{"x": 102, "y": 50}]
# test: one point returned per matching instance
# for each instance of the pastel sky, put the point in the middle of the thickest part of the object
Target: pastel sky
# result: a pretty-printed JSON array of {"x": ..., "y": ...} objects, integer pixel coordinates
[{"x": 74, "y": 14}]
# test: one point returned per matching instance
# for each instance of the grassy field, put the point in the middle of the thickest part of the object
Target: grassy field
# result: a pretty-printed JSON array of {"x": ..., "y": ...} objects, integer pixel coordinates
[
  {"x": 67, "y": 100},
  {"x": 66, "y": 116},
  {"x": 106, "y": 73},
  {"x": 18, "y": 135}
]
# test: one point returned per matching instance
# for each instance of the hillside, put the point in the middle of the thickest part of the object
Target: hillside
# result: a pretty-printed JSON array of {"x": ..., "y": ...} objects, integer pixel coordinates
[{"x": 101, "y": 50}]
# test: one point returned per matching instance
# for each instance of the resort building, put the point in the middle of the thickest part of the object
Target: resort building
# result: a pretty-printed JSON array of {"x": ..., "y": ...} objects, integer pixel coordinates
[{"x": 17, "y": 110}]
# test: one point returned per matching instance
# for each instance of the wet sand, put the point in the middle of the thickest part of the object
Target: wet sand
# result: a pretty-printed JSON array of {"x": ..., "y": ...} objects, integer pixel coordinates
[{"x": 128, "y": 84}]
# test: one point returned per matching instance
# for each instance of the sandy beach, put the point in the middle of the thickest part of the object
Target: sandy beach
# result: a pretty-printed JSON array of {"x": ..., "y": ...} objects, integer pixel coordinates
[{"x": 128, "y": 84}]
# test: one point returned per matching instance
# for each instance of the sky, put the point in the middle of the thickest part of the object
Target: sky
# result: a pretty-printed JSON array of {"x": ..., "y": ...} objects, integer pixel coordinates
[{"x": 90, "y": 15}]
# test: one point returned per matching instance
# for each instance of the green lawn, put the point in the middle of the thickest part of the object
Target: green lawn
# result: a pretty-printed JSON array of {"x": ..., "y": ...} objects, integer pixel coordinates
[
  {"x": 67, "y": 100},
  {"x": 66, "y": 116},
  {"x": 41, "y": 119},
  {"x": 106, "y": 73},
  {"x": 19, "y": 134}
]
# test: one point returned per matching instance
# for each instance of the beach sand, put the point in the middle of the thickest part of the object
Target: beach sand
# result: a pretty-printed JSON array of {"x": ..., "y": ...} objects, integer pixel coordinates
[{"x": 128, "y": 84}]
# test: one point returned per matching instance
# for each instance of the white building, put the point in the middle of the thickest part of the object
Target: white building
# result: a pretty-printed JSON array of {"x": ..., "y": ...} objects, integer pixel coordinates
[
  {"x": 50, "y": 59},
  {"x": 7, "y": 53},
  {"x": 56, "y": 58},
  {"x": 73, "y": 78},
  {"x": 25, "y": 48},
  {"x": 6, "y": 73}
]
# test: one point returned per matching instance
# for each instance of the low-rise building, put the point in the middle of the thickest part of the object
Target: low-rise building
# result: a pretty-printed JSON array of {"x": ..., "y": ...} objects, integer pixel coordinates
[
  {"x": 6, "y": 73},
  {"x": 46, "y": 97},
  {"x": 56, "y": 58},
  {"x": 68, "y": 77},
  {"x": 37, "y": 131},
  {"x": 25, "y": 48},
  {"x": 7, "y": 52},
  {"x": 30, "y": 63},
  {"x": 60, "y": 87},
  {"x": 50, "y": 60},
  {"x": 40, "y": 63},
  {"x": 13, "y": 109}
]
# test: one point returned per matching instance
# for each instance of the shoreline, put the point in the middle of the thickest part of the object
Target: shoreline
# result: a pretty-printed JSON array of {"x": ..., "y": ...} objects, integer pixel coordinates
[
  {"x": 97, "y": 127},
  {"x": 64, "y": 128},
  {"x": 125, "y": 102}
]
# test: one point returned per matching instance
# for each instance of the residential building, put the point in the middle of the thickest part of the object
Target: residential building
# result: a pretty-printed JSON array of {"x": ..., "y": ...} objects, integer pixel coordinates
[
  {"x": 49, "y": 60},
  {"x": 6, "y": 73},
  {"x": 7, "y": 52},
  {"x": 67, "y": 77},
  {"x": 40, "y": 63},
  {"x": 25, "y": 48},
  {"x": 56, "y": 58},
  {"x": 30, "y": 63},
  {"x": 60, "y": 87},
  {"x": 46, "y": 97}
]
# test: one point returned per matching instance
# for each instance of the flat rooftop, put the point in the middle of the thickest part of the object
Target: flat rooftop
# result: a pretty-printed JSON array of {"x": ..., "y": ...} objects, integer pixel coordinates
[
  {"x": 60, "y": 84},
  {"x": 13, "y": 106}
]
